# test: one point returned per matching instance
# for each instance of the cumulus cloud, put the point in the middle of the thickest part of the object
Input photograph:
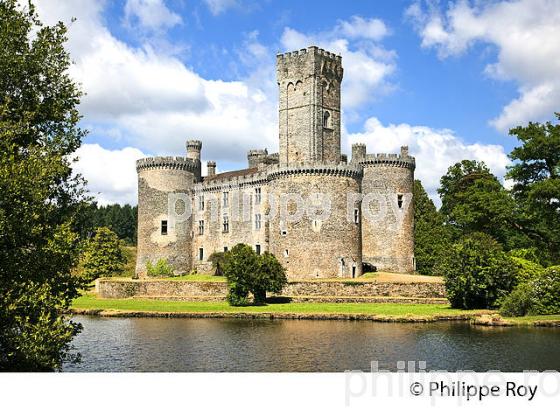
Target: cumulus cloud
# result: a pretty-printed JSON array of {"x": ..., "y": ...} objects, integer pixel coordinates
[
  {"x": 435, "y": 149},
  {"x": 526, "y": 34},
  {"x": 150, "y": 14},
  {"x": 367, "y": 64},
  {"x": 111, "y": 174}
]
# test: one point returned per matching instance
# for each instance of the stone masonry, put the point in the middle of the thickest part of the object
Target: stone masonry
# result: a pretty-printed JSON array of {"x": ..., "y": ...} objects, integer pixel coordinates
[{"x": 321, "y": 215}]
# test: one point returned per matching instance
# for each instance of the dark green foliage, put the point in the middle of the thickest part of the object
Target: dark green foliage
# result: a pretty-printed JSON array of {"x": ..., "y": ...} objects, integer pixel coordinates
[
  {"x": 161, "y": 269},
  {"x": 546, "y": 290},
  {"x": 477, "y": 272},
  {"x": 519, "y": 302},
  {"x": 473, "y": 200},
  {"x": 121, "y": 219},
  {"x": 536, "y": 176},
  {"x": 541, "y": 296},
  {"x": 217, "y": 259},
  {"x": 39, "y": 197},
  {"x": 248, "y": 273},
  {"x": 103, "y": 255},
  {"x": 431, "y": 236}
]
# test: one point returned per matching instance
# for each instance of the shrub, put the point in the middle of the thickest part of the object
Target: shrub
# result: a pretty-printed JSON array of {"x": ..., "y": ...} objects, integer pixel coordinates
[
  {"x": 541, "y": 296},
  {"x": 103, "y": 255},
  {"x": 519, "y": 302},
  {"x": 246, "y": 272},
  {"x": 546, "y": 290},
  {"x": 477, "y": 272},
  {"x": 161, "y": 268},
  {"x": 217, "y": 259},
  {"x": 526, "y": 270}
]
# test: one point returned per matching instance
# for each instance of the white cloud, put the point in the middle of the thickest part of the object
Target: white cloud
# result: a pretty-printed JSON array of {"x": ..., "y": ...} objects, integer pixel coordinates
[
  {"x": 526, "y": 34},
  {"x": 150, "y": 14},
  {"x": 219, "y": 6},
  {"x": 359, "y": 27},
  {"x": 111, "y": 174},
  {"x": 367, "y": 65},
  {"x": 435, "y": 150}
]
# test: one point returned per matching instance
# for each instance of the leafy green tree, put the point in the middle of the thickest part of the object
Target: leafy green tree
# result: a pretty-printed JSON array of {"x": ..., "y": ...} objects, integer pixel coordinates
[
  {"x": 249, "y": 273},
  {"x": 103, "y": 255},
  {"x": 431, "y": 236},
  {"x": 477, "y": 272},
  {"x": 474, "y": 200},
  {"x": 536, "y": 177},
  {"x": 270, "y": 277},
  {"x": 39, "y": 197}
]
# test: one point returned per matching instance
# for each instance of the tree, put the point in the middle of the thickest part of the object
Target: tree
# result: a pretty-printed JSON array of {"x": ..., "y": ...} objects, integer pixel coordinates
[
  {"x": 39, "y": 132},
  {"x": 431, "y": 236},
  {"x": 477, "y": 272},
  {"x": 103, "y": 255},
  {"x": 474, "y": 200},
  {"x": 536, "y": 177},
  {"x": 246, "y": 272}
]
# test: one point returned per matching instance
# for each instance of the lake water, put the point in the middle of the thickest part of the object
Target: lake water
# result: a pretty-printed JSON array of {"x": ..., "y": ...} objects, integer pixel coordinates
[{"x": 235, "y": 345}]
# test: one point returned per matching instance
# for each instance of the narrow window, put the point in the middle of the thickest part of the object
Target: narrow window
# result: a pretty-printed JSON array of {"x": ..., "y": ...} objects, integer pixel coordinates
[
  {"x": 225, "y": 249},
  {"x": 200, "y": 254},
  {"x": 201, "y": 203},
  {"x": 286, "y": 253},
  {"x": 353, "y": 271},
  {"x": 400, "y": 201},
  {"x": 225, "y": 199},
  {"x": 326, "y": 119},
  {"x": 258, "y": 249},
  {"x": 356, "y": 216},
  {"x": 164, "y": 227},
  {"x": 226, "y": 224},
  {"x": 201, "y": 227},
  {"x": 257, "y": 196},
  {"x": 257, "y": 222}
]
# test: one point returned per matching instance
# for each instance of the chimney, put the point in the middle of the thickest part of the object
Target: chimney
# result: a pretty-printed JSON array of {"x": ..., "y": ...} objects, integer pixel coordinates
[{"x": 211, "y": 166}]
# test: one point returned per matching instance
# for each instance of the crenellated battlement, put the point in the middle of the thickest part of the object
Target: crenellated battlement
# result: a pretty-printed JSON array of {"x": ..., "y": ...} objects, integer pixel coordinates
[
  {"x": 180, "y": 163},
  {"x": 344, "y": 170},
  {"x": 390, "y": 160},
  {"x": 306, "y": 52},
  {"x": 316, "y": 60}
]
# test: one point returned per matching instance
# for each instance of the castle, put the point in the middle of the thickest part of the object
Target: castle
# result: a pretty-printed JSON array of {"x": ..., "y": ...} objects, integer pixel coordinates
[{"x": 320, "y": 214}]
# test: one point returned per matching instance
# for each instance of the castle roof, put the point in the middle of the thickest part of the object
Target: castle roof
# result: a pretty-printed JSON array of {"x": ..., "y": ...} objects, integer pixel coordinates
[{"x": 231, "y": 174}]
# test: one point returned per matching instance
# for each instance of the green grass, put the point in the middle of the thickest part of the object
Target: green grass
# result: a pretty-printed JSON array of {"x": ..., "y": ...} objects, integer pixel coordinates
[
  {"x": 531, "y": 319},
  {"x": 382, "y": 309}
]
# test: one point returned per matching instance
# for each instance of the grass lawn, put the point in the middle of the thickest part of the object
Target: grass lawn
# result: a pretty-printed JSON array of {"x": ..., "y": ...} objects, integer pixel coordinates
[
  {"x": 90, "y": 301},
  {"x": 198, "y": 278},
  {"x": 530, "y": 319}
]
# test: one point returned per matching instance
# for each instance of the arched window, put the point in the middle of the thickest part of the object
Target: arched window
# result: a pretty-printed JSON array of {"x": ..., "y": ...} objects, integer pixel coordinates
[{"x": 326, "y": 119}]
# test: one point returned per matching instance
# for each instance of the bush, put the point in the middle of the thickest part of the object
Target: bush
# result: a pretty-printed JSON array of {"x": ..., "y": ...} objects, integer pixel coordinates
[
  {"x": 541, "y": 296},
  {"x": 217, "y": 259},
  {"x": 519, "y": 302},
  {"x": 526, "y": 270},
  {"x": 161, "y": 268},
  {"x": 249, "y": 273},
  {"x": 477, "y": 272},
  {"x": 546, "y": 290},
  {"x": 103, "y": 255}
]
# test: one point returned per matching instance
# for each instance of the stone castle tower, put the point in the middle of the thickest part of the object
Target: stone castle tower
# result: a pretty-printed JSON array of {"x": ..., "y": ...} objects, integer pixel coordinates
[{"x": 353, "y": 212}]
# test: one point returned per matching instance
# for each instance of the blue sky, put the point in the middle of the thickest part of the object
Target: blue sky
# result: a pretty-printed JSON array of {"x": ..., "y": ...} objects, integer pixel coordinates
[{"x": 447, "y": 78}]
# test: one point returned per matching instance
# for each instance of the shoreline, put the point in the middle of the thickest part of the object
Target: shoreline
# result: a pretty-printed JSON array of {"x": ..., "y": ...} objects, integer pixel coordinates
[{"x": 474, "y": 319}]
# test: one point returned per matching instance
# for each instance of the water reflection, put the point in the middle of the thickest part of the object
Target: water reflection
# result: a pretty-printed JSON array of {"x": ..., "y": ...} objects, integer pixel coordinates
[{"x": 153, "y": 344}]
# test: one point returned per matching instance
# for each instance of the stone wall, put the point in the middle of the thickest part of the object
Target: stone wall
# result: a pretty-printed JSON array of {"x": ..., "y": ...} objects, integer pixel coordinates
[{"x": 319, "y": 291}]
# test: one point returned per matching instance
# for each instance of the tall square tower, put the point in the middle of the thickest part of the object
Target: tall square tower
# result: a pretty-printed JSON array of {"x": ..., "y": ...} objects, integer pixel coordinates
[{"x": 309, "y": 107}]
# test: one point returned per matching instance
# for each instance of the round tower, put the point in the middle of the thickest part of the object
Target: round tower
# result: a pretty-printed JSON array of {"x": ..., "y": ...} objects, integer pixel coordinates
[
  {"x": 211, "y": 168},
  {"x": 312, "y": 232},
  {"x": 388, "y": 211},
  {"x": 164, "y": 212}
]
